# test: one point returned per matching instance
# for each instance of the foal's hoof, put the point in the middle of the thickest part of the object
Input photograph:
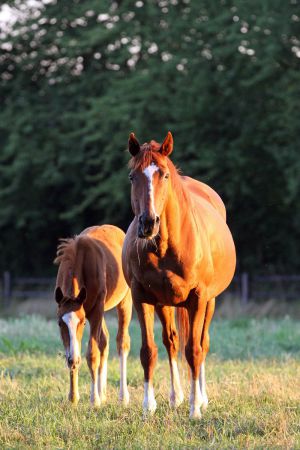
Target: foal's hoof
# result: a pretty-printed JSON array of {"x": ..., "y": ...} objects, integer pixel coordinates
[
  {"x": 74, "y": 400},
  {"x": 96, "y": 403},
  {"x": 124, "y": 399}
]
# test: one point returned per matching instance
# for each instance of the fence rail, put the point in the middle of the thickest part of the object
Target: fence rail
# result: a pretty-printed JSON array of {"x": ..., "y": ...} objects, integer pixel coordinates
[{"x": 244, "y": 286}]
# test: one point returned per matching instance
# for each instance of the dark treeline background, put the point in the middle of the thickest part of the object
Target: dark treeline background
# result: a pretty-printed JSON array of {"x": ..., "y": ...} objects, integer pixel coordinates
[{"x": 77, "y": 76}]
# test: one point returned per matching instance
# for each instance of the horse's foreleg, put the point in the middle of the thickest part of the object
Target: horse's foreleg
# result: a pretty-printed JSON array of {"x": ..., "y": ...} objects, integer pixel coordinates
[
  {"x": 93, "y": 361},
  {"x": 171, "y": 342},
  {"x": 193, "y": 351},
  {"x": 104, "y": 350},
  {"x": 74, "y": 393},
  {"x": 148, "y": 353},
  {"x": 210, "y": 308},
  {"x": 124, "y": 309}
]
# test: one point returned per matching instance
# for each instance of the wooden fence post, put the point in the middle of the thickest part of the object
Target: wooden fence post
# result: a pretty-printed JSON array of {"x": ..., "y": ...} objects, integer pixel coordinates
[
  {"x": 6, "y": 288},
  {"x": 244, "y": 288}
]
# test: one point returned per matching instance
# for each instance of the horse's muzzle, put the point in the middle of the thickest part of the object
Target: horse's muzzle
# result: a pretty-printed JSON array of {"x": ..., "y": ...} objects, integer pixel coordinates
[{"x": 148, "y": 226}]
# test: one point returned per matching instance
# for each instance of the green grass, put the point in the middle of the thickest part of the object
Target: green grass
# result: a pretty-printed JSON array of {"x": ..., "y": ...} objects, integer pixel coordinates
[{"x": 253, "y": 374}]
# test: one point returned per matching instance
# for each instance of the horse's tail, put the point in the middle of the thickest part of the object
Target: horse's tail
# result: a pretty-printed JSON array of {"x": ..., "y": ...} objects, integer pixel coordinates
[{"x": 183, "y": 328}]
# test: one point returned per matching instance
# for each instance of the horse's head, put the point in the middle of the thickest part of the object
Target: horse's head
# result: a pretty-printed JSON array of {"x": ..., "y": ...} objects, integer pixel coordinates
[
  {"x": 149, "y": 175},
  {"x": 71, "y": 321}
]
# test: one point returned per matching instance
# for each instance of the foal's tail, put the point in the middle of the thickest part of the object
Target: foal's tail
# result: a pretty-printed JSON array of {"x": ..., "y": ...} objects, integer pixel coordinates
[{"x": 183, "y": 328}]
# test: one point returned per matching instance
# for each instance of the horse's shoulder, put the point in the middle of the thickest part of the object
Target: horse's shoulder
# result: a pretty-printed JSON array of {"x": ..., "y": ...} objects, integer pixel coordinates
[{"x": 202, "y": 190}]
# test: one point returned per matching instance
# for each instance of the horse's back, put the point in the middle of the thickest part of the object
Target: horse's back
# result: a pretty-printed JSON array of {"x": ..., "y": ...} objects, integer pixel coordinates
[
  {"x": 197, "y": 188},
  {"x": 108, "y": 242}
]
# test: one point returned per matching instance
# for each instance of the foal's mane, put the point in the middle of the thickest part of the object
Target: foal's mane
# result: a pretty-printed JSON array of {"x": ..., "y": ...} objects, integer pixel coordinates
[{"x": 66, "y": 251}]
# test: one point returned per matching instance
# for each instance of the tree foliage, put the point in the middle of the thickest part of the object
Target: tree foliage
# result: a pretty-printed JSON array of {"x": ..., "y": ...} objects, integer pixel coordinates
[{"x": 77, "y": 77}]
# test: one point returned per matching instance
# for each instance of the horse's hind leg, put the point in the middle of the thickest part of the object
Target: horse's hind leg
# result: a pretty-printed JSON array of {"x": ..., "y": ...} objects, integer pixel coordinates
[
  {"x": 104, "y": 350},
  {"x": 171, "y": 342},
  {"x": 210, "y": 308},
  {"x": 124, "y": 309},
  {"x": 93, "y": 359}
]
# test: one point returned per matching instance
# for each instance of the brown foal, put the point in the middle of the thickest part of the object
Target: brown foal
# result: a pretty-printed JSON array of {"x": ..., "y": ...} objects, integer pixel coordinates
[
  {"x": 178, "y": 252},
  {"x": 90, "y": 281}
]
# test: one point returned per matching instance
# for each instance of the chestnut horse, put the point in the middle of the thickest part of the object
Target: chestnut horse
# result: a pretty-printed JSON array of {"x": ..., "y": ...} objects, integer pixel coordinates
[
  {"x": 178, "y": 252},
  {"x": 90, "y": 281}
]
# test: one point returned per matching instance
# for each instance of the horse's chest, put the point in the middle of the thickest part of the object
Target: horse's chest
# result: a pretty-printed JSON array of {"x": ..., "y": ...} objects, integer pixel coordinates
[{"x": 167, "y": 286}]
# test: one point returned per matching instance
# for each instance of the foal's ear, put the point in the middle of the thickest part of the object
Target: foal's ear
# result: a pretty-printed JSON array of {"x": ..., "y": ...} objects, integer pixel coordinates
[
  {"x": 58, "y": 295},
  {"x": 133, "y": 144},
  {"x": 167, "y": 146},
  {"x": 81, "y": 297}
]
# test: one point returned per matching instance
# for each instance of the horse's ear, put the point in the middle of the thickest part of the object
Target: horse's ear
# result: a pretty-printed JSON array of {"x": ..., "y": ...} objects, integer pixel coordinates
[
  {"x": 81, "y": 297},
  {"x": 58, "y": 295},
  {"x": 167, "y": 146},
  {"x": 133, "y": 144}
]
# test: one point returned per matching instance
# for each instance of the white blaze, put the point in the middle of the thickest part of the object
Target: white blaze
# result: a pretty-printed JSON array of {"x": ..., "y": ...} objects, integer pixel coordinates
[
  {"x": 148, "y": 172},
  {"x": 71, "y": 320}
]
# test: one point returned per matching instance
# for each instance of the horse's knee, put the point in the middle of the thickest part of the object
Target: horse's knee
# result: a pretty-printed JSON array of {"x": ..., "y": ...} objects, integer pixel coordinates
[
  {"x": 171, "y": 342},
  {"x": 194, "y": 357},
  {"x": 103, "y": 342},
  {"x": 205, "y": 344},
  {"x": 148, "y": 357},
  {"x": 92, "y": 359},
  {"x": 123, "y": 342}
]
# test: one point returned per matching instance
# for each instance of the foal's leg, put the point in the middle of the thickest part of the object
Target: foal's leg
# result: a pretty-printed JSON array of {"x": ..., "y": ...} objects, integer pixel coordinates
[
  {"x": 124, "y": 309},
  {"x": 193, "y": 351},
  {"x": 210, "y": 308},
  {"x": 171, "y": 342},
  {"x": 93, "y": 357},
  {"x": 104, "y": 350}
]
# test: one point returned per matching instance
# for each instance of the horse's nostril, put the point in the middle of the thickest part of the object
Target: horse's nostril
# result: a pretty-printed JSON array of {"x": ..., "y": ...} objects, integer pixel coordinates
[
  {"x": 157, "y": 219},
  {"x": 140, "y": 220}
]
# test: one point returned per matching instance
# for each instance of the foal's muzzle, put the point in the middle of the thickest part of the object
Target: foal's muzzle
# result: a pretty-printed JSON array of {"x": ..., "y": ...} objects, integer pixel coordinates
[{"x": 148, "y": 226}]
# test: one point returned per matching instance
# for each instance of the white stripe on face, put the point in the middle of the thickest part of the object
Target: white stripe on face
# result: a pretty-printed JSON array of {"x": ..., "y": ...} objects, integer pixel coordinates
[
  {"x": 71, "y": 320},
  {"x": 149, "y": 171}
]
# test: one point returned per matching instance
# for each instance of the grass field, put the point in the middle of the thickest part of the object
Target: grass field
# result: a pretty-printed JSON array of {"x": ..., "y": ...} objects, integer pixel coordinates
[{"x": 253, "y": 374}]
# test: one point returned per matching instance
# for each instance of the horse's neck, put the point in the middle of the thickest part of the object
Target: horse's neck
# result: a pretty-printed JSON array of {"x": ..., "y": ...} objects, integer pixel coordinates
[{"x": 176, "y": 224}]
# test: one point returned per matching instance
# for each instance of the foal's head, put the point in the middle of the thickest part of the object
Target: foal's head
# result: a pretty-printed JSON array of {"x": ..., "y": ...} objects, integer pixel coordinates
[
  {"x": 71, "y": 320},
  {"x": 149, "y": 175}
]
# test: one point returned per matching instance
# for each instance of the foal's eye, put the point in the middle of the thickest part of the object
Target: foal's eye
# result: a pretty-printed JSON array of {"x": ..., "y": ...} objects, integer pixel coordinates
[{"x": 167, "y": 176}]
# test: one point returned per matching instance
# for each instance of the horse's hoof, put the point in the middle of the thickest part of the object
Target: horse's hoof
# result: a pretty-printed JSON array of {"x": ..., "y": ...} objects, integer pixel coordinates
[
  {"x": 195, "y": 413},
  {"x": 204, "y": 405},
  {"x": 149, "y": 409},
  {"x": 175, "y": 401}
]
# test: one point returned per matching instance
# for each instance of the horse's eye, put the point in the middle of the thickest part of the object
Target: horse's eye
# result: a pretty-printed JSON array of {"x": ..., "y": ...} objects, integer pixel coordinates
[
  {"x": 167, "y": 176},
  {"x": 130, "y": 176},
  {"x": 59, "y": 322}
]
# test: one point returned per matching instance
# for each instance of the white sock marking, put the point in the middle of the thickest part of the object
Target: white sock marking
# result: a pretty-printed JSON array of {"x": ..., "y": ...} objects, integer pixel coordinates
[
  {"x": 149, "y": 172},
  {"x": 176, "y": 397},
  {"x": 195, "y": 399},
  {"x": 71, "y": 320},
  {"x": 203, "y": 386},
  {"x": 149, "y": 403},
  {"x": 124, "y": 394}
]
